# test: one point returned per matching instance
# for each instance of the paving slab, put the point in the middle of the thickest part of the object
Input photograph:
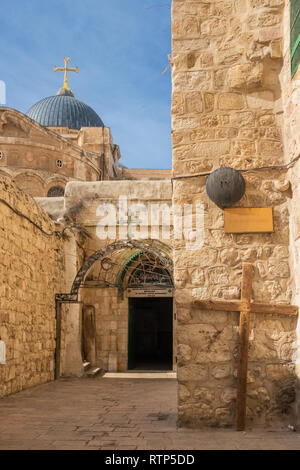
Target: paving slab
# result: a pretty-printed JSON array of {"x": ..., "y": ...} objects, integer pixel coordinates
[{"x": 117, "y": 413}]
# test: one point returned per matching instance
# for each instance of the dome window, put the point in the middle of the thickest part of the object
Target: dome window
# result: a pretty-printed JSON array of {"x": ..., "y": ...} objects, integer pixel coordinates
[
  {"x": 1, "y": 155},
  {"x": 56, "y": 191},
  {"x": 59, "y": 163}
]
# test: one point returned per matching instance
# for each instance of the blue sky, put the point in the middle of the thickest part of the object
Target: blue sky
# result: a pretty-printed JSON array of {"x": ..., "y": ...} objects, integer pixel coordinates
[{"x": 121, "y": 49}]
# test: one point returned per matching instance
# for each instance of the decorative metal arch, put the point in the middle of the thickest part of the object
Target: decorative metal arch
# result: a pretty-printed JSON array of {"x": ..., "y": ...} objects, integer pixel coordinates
[
  {"x": 145, "y": 270},
  {"x": 146, "y": 246}
]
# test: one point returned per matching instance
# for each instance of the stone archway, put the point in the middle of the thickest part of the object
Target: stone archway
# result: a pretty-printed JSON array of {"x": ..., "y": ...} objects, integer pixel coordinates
[
  {"x": 102, "y": 284},
  {"x": 125, "y": 250}
]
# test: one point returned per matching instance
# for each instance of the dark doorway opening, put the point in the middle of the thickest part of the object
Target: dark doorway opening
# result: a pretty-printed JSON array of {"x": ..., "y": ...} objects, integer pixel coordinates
[{"x": 150, "y": 334}]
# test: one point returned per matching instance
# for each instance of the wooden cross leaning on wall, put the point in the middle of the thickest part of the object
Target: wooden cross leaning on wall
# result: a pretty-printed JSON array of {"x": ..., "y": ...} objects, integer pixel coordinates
[{"x": 245, "y": 307}]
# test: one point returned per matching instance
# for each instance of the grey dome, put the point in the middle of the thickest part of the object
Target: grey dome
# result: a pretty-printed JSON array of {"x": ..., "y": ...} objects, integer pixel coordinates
[{"x": 64, "y": 110}]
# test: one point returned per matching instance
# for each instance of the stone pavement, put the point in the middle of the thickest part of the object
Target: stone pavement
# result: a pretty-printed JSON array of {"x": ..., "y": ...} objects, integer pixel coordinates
[{"x": 113, "y": 413}]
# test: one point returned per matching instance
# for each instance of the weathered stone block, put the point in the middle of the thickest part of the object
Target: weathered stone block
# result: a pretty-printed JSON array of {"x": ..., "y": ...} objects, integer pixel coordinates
[
  {"x": 224, "y": 416},
  {"x": 243, "y": 147},
  {"x": 184, "y": 353},
  {"x": 270, "y": 34},
  {"x": 263, "y": 20},
  {"x": 192, "y": 166},
  {"x": 266, "y": 3},
  {"x": 197, "y": 276},
  {"x": 278, "y": 268},
  {"x": 218, "y": 275},
  {"x": 220, "y": 78},
  {"x": 227, "y": 293},
  {"x": 277, "y": 372},
  {"x": 183, "y": 392},
  {"x": 194, "y": 372},
  {"x": 212, "y": 149},
  {"x": 246, "y": 76},
  {"x": 231, "y": 101},
  {"x": 270, "y": 147},
  {"x": 177, "y": 103},
  {"x": 261, "y": 100},
  {"x": 214, "y": 26},
  {"x": 228, "y": 395},
  {"x": 193, "y": 102},
  {"x": 221, "y": 371},
  {"x": 273, "y": 288},
  {"x": 242, "y": 119},
  {"x": 204, "y": 394},
  {"x": 209, "y": 100},
  {"x": 200, "y": 80}
]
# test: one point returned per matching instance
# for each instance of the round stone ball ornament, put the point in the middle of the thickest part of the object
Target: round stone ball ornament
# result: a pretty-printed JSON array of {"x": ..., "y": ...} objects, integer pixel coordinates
[{"x": 225, "y": 186}]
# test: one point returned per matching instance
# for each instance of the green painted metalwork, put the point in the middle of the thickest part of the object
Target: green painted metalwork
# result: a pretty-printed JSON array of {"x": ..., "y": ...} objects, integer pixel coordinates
[
  {"x": 128, "y": 263},
  {"x": 295, "y": 35}
]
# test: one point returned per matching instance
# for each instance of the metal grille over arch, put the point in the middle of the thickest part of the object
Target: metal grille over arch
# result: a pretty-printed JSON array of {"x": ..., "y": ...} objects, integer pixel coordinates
[
  {"x": 115, "y": 258},
  {"x": 145, "y": 270}
]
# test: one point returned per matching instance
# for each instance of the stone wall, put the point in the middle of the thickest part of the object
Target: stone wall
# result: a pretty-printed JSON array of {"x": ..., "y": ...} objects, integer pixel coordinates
[
  {"x": 227, "y": 111},
  {"x": 31, "y": 272},
  {"x": 291, "y": 134},
  {"x": 111, "y": 320}
]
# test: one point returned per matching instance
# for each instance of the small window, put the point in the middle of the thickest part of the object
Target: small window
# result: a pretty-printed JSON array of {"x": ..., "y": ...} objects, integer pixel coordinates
[
  {"x": 1, "y": 155},
  {"x": 56, "y": 191},
  {"x": 295, "y": 35},
  {"x": 59, "y": 163}
]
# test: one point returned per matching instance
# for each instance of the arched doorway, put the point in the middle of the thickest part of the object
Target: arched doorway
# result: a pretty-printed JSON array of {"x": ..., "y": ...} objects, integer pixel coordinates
[
  {"x": 127, "y": 290},
  {"x": 150, "y": 314},
  {"x": 150, "y": 333}
]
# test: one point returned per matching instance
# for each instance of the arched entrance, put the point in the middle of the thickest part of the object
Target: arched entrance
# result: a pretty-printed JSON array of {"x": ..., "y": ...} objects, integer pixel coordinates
[
  {"x": 150, "y": 333},
  {"x": 150, "y": 314},
  {"x": 126, "y": 290},
  {"x": 114, "y": 260}
]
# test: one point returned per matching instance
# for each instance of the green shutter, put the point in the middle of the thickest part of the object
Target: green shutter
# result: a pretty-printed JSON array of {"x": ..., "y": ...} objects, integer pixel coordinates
[{"x": 295, "y": 35}]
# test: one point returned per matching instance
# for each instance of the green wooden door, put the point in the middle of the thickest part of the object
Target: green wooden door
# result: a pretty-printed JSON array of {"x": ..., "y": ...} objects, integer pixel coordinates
[
  {"x": 295, "y": 35},
  {"x": 131, "y": 342}
]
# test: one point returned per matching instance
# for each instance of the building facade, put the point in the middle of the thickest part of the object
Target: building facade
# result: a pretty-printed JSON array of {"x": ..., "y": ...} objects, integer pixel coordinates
[
  {"x": 137, "y": 272},
  {"x": 235, "y": 104}
]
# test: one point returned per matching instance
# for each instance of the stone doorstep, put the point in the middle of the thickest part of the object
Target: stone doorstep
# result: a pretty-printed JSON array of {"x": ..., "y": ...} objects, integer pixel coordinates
[{"x": 140, "y": 375}]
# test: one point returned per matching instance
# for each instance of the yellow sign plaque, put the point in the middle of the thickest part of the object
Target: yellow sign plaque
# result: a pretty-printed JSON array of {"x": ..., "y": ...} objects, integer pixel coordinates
[{"x": 248, "y": 219}]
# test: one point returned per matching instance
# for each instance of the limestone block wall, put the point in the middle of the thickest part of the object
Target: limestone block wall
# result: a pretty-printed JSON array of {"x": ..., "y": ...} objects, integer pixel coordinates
[
  {"x": 111, "y": 319},
  {"x": 31, "y": 273},
  {"x": 291, "y": 134},
  {"x": 228, "y": 111}
]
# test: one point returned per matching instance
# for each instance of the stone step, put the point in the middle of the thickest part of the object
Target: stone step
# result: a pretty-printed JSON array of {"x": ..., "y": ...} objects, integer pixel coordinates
[
  {"x": 93, "y": 372},
  {"x": 86, "y": 366},
  {"x": 141, "y": 375}
]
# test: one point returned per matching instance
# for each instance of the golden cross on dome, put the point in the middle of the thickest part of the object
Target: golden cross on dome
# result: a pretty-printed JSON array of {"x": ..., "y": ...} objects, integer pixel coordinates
[{"x": 66, "y": 70}]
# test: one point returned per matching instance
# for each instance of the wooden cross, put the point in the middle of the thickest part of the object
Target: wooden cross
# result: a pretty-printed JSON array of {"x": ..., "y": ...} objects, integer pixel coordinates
[
  {"x": 245, "y": 307},
  {"x": 66, "y": 70}
]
